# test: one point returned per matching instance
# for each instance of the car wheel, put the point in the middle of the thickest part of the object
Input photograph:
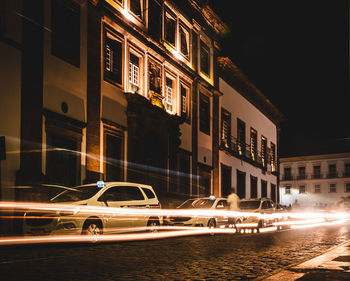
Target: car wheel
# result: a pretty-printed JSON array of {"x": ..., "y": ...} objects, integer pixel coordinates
[
  {"x": 152, "y": 225},
  {"x": 92, "y": 227}
]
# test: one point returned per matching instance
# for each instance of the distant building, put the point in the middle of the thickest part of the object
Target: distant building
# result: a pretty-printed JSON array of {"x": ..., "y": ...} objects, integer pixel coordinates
[{"x": 316, "y": 180}]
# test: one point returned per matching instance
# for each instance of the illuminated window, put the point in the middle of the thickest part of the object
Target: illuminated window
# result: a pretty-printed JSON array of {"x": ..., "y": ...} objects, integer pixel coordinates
[
  {"x": 204, "y": 58},
  {"x": 65, "y": 35},
  {"x": 263, "y": 151},
  {"x": 347, "y": 187},
  {"x": 137, "y": 7},
  {"x": 185, "y": 102},
  {"x": 302, "y": 189},
  {"x": 317, "y": 188},
  {"x": 113, "y": 59},
  {"x": 225, "y": 128},
  {"x": 204, "y": 114},
  {"x": 287, "y": 190},
  {"x": 170, "y": 28},
  {"x": 184, "y": 40},
  {"x": 169, "y": 91},
  {"x": 273, "y": 157},
  {"x": 253, "y": 144},
  {"x": 134, "y": 72},
  {"x": 332, "y": 188}
]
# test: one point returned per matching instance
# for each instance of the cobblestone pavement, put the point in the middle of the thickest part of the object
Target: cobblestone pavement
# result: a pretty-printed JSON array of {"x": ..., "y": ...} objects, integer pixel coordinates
[{"x": 217, "y": 257}]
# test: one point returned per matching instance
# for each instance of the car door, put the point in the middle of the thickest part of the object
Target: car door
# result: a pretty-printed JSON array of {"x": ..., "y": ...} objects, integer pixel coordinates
[
  {"x": 268, "y": 209},
  {"x": 118, "y": 197},
  {"x": 221, "y": 220}
]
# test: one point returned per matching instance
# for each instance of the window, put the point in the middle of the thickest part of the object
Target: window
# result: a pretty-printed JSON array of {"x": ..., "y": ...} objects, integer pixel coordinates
[
  {"x": 204, "y": 114},
  {"x": 317, "y": 188},
  {"x": 240, "y": 137},
  {"x": 149, "y": 193},
  {"x": 302, "y": 189},
  {"x": 137, "y": 7},
  {"x": 263, "y": 188},
  {"x": 184, "y": 40},
  {"x": 2, "y": 16},
  {"x": 134, "y": 73},
  {"x": 113, "y": 59},
  {"x": 169, "y": 91},
  {"x": 204, "y": 58},
  {"x": 273, "y": 157},
  {"x": 65, "y": 26},
  {"x": 332, "y": 171},
  {"x": 287, "y": 173},
  {"x": 347, "y": 187},
  {"x": 185, "y": 102},
  {"x": 332, "y": 188},
  {"x": 347, "y": 170},
  {"x": 170, "y": 28},
  {"x": 287, "y": 190},
  {"x": 253, "y": 144},
  {"x": 123, "y": 193},
  {"x": 225, "y": 128},
  {"x": 301, "y": 174},
  {"x": 263, "y": 151},
  {"x": 317, "y": 172}
]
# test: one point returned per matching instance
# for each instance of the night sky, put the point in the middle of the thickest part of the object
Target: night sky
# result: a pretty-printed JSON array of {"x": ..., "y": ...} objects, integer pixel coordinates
[{"x": 296, "y": 53}]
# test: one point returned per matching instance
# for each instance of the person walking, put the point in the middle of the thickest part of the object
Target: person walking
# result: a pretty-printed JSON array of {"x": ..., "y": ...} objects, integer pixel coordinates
[{"x": 233, "y": 205}]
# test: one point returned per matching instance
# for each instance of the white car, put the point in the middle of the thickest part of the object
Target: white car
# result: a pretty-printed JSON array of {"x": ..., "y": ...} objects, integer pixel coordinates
[
  {"x": 209, "y": 203},
  {"x": 100, "y": 194}
]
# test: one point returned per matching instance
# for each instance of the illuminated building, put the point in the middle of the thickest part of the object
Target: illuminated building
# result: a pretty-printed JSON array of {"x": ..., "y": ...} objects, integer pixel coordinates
[
  {"x": 315, "y": 181},
  {"x": 123, "y": 90}
]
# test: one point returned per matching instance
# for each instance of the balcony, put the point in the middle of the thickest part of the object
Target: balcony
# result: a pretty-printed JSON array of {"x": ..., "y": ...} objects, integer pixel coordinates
[
  {"x": 332, "y": 175},
  {"x": 243, "y": 151},
  {"x": 287, "y": 178},
  {"x": 316, "y": 176}
]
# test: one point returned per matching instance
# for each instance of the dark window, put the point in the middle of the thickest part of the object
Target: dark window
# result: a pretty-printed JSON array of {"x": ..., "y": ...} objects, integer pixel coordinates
[
  {"x": 287, "y": 174},
  {"x": 240, "y": 136},
  {"x": 226, "y": 185},
  {"x": 114, "y": 164},
  {"x": 241, "y": 183},
  {"x": 113, "y": 59},
  {"x": 204, "y": 58},
  {"x": 123, "y": 193},
  {"x": 347, "y": 169},
  {"x": 170, "y": 28},
  {"x": 253, "y": 144},
  {"x": 2, "y": 15},
  {"x": 332, "y": 171},
  {"x": 332, "y": 188},
  {"x": 301, "y": 174},
  {"x": 149, "y": 193},
  {"x": 184, "y": 40},
  {"x": 273, "y": 192},
  {"x": 263, "y": 188},
  {"x": 317, "y": 188},
  {"x": 204, "y": 114},
  {"x": 263, "y": 151},
  {"x": 317, "y": 172},
  {"x": 137, "y": 8},
  {"x": 155, "y": 19},
  {"x": 253, "y": 187},
  {"x": 65, "y": 26},
  {"x": 302, "y": 189},
  {"x": 225, "y": 128},
  {"x": 347, "y": 187},
  {"x": 222, "y": 204}
]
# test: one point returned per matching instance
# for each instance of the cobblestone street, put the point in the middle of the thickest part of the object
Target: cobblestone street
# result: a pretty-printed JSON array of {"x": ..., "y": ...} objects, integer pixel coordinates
[{"x": 225, "y": 257}]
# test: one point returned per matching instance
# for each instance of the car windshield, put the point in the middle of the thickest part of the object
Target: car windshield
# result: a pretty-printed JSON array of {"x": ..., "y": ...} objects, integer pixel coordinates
[
  {"x": 197, "y": 203},
  {"x": 249, "y": 205},
  {"x": 76, "y": 194}
]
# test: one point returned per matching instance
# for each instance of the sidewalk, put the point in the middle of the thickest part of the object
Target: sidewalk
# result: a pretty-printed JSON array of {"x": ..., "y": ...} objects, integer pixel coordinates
[{"x": 332, "y": 265}]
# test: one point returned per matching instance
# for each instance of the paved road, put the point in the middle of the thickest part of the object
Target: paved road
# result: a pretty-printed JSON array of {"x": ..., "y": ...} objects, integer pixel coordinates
[{"x": 218, "y": 257}]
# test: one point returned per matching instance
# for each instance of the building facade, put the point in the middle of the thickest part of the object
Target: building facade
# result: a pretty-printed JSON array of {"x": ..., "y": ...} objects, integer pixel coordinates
[
  {"x": 315, "y": 181},
  {"x": 122, "y": 90}
]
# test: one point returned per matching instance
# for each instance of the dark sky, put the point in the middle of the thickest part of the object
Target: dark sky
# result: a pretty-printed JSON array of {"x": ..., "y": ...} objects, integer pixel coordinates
[{"x": 296, "y": 53}]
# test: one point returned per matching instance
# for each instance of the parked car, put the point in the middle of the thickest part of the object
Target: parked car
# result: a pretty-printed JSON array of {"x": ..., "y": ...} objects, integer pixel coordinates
[
  {"x": 100, "y": 194},
  {"x": 205, "y": 203},
  {"x": 258, "y": 206}
]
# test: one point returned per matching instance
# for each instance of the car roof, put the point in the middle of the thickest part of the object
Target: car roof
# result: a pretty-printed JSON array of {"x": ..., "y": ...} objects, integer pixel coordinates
[{"x": 121, "y": 183}]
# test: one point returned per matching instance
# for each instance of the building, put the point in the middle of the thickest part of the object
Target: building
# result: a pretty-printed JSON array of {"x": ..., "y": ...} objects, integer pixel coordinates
[
  {"x": 249, "y": 136},
  {"x": 315, "y": 180},
  {"x": 124, "y": 90}
]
